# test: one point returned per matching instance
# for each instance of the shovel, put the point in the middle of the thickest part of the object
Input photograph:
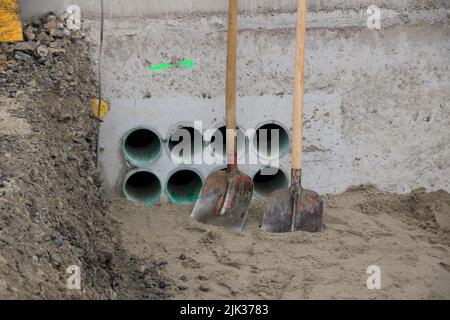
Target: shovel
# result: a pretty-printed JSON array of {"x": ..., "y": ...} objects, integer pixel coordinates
[
  {"x": 295, "y": 209},
  {"x": 225, "y": 196}
]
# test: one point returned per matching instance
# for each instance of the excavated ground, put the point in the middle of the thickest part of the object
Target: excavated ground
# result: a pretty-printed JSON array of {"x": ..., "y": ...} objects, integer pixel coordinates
[
  {"x": 407, "y": 236},
  {"x": 53, "y": 213}
]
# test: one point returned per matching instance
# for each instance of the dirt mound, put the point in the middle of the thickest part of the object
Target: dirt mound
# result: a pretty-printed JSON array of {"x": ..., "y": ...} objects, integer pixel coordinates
[
  {"x": 52, "y": 214},
  {"x": 364, "y": 226},
  {"x": 426, "y": 210}
]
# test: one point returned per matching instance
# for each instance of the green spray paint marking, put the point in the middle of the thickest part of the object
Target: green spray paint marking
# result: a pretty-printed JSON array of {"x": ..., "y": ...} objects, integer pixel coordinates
[
  {"x": 160, "y": 67},
  {"x": 189, "y": 64}
]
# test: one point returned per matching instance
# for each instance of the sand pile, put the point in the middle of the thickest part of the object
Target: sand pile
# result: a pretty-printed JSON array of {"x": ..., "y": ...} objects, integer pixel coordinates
[{"x": 364, "y": 227}]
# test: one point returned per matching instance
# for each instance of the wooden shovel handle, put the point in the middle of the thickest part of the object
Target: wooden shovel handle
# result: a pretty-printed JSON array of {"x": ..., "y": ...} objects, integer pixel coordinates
[
  {"x": 297, "y": 129},
  {"x": 231, "y": 86}
]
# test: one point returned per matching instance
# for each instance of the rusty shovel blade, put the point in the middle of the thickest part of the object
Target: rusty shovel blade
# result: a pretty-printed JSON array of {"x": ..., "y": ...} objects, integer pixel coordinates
[
  {"x": 224, "y": 200},
  {"x": 306, "y": 207}
]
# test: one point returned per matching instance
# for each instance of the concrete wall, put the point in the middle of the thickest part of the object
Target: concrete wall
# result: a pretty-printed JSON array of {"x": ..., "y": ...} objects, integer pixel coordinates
[
  {"x": 377, "y": 102},
  {"x": 157, "y": 8}
]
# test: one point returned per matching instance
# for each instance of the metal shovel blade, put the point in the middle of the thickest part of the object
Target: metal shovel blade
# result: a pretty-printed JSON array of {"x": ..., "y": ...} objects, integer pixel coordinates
[
  {"x": 282, "y": 206},
  {"x": 224, "y": 200}
]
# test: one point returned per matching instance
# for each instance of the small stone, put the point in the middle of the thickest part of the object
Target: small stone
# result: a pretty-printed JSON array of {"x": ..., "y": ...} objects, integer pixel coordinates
[
  {"x": 203, "y": 277},
  {"x": 63, "y": 17},
  {"x": 52, "y": 24},
  {"x": 51, "y": 17},
  {"x": 148, "y": 265},
  {"x": 20, "y": 56},
  {"x": 57, "y": 33},
  {"x": 98, "y": 180},
  {"x": 36, "y": 22},
  {"x": 182, "y": 256},
  {"x": 64, "y": 116},
  {"x": 7, "y": 49},
  {"x": 183, "y": 288},
  {"x": 148, "y": 281},
  {"x": 29, "y": 33},
  {"x": 25, "y": 46},
  {"x": 184, "y": 278},
  {"x": 204, "y": 288},
  {"x": 163, "y": 263},
  {"x": 163, "y": 284},
  {"x": 58, "y": 241},
  {"x": 42, "y": 36},
  {"x": 42, "y": 51},
  {"x": 67, "y": 32}
]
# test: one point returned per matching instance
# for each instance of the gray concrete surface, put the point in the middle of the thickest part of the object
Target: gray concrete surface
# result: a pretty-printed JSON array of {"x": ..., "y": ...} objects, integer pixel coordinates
[
  {"x": 158, "y": 8},
  {"x": 377, "y": 102}
]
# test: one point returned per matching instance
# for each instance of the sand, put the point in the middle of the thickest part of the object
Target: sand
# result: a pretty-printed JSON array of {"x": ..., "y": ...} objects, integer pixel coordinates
[{"x": 364, "y": 226}]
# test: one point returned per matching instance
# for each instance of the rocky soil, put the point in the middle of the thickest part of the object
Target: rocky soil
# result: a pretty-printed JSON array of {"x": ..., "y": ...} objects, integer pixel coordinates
[{"x": 52, "y": 213}]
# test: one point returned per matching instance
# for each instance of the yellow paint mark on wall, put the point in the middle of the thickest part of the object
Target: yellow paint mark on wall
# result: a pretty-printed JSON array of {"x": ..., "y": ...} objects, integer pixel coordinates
[
  {"x": 103, "y": 110},
  {"x": 10, "y": 26}
]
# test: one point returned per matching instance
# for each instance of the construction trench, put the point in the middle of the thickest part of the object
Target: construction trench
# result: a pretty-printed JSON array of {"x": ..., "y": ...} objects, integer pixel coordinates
[{"x": 376, "y": 145}]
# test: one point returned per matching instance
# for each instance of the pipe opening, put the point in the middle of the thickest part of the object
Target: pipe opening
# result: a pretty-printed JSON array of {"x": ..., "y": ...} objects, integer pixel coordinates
[
  {"x": 142, "y": 187},
  {"x": 267, "y": 180},
  {"x": 219, "y": 143},
  {"x": 183, "y": 186},
  {"x": 271, "y": 141},
  {"x": 186, "y": 145},
  {"x": 142, "y": 146}
]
